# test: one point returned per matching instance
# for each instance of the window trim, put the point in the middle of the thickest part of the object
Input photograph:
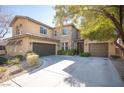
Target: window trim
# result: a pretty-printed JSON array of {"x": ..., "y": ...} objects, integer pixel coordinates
[
  {"x": 55, "y": 33},
  {"x": 64, "y": 46},
  {"x": 18, "y": 30},
  {"x": 66, "y": 32},
  {"x": 44, "y": 30},
  {"x": 2, "y": 47}
]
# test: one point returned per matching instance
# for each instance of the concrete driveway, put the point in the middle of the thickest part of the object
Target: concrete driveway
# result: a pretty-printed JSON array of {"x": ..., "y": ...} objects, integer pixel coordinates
[{"x": 70, "y": 71}]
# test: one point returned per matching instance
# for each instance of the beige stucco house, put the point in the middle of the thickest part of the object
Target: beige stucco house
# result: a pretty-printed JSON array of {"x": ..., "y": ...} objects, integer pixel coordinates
[{"x": 31, "y": 35}]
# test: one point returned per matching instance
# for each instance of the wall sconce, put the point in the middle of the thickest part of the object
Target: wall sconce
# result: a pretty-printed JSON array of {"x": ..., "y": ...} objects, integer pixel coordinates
[
  {"x": 111, "y": 43},
  {"x": 30, "y": 43}
]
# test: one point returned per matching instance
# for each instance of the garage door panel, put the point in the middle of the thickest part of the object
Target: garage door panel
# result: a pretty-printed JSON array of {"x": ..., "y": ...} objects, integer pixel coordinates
[
  {"x": 99, "y": 49},
  {"x": 44, "y": 49}
]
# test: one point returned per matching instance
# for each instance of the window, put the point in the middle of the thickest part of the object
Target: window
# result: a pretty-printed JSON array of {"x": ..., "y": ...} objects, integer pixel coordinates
[
  {"x": 65, "y": 31},
  {"x": 65, "y": 45},
  {"x": 20, "y": 25},
  {"x": 18, "y": 29},
  {"x": 43, "y": 30},
  {"x": 2, "y": 47},
  {"x": 55, "y": 33}
]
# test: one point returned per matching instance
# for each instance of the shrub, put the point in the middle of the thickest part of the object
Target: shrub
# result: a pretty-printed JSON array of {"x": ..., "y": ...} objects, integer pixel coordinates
[
  {"x": 66, "y": 52},
  {"x": 3, "y": 69},
  {"x": 32, "y": 59},
  {"x": 115, "y": 57},
  {"x": 30, "y": 53},
  {"x": 20, "y": 57},
  {"x": 70, "y": 52},
  {"x": 3, "y": 60},
  {"x": 60, "y": 52},
  {"x": 13, "y": 61},
  {"x": 84, "y": 54}
]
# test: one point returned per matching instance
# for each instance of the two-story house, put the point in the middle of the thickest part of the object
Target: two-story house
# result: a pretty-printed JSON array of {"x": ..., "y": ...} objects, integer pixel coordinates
[{"x": 31, "y": 35}]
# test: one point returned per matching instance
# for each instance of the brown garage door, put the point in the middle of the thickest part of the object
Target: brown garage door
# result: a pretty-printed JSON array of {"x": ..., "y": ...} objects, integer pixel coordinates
[
  {"x": 98, "y": 49},
  {"x": 43, "y": 49}
]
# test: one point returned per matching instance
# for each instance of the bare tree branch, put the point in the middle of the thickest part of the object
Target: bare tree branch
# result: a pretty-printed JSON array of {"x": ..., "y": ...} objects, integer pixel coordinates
[{"x": 5, "y": 20}]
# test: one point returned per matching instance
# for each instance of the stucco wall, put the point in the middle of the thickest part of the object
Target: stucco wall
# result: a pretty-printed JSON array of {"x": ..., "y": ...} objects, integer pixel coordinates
[
  {"x": 17, "y": 23},
  {"x": 31, "y": 27},
  {"x": 2, "y": 52},
  {"x": 19, "y": 49},
  {"x": 34, "y": 29},
  {"x": 74, "y": 37},
  {"x": 70, "y": 37}
]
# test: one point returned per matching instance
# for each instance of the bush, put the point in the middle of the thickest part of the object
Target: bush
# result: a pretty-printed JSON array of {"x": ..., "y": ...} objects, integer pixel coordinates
[
  {"x": 3, "y": 69},
  {"x": 70, "y": 52},
  {"x": 20, "y": 57},
  {"x": 115, "y": 57},
  {"x": 30, "y": 53},
  {"x": 32, "y": 59},
  {"x": 3, "y": 60},
  {"x": 60, "y": 52},
  {"x": 84, "y": 54},
  {"x": 14, "y": 61},
  {"x": 66, "y": 52}
]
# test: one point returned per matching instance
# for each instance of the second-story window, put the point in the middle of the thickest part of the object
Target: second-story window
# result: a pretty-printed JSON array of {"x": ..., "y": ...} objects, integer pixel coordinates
[
  {"x": 65, "y": 31},
  {"x": 43, "y": 30},
  {"x": 18, "y": 29},
  {"x": 20, "y": 25}
]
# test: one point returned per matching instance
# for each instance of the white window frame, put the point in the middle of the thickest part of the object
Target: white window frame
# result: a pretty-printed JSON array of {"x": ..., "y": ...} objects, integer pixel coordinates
[
  {"x": 64, "y": 45},
  {"x": 45, "y": 29}
]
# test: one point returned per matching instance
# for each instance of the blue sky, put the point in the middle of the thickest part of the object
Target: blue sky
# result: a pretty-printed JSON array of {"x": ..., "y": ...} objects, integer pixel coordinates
[{"x": 42, "y": 13}]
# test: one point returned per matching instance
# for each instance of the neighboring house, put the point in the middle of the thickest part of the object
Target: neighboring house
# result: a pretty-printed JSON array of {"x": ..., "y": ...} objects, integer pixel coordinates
[
  {"x": 2, "y": 47},
  {"x": 31, "y": 35}
]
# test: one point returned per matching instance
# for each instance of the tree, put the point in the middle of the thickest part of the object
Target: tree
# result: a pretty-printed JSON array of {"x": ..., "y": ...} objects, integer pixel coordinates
[
  {"x": 95, "y": 22},
  {"x": 5, "y": 20}
]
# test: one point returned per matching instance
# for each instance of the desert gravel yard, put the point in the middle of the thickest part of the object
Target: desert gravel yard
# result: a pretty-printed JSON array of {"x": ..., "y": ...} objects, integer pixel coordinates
[{"x": 70, "y": 71}]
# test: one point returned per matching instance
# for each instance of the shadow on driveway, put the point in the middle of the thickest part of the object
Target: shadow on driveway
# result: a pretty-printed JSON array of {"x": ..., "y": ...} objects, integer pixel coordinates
[{"x": 84, "y": 71}]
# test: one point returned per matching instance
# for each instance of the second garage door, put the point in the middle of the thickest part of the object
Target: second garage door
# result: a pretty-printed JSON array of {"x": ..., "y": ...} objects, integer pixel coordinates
[
  {"x": 44, "y": 49},
  {"x": 98, "y": 49}
]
